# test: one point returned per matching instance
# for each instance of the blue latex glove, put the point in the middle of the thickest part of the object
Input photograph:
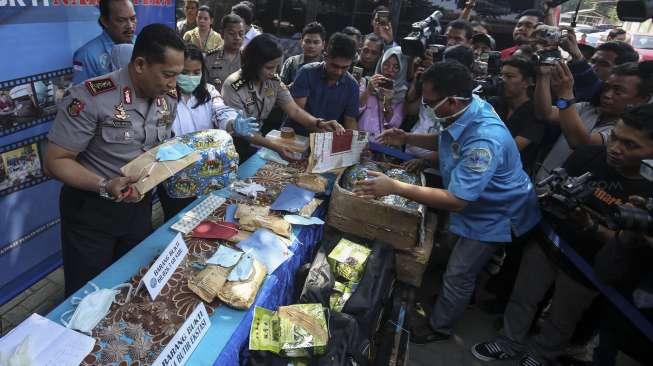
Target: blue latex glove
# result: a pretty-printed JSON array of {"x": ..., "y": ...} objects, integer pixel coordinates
[
  {"x": 245, "y": 126},
  {"x": 174, "y": 151}
]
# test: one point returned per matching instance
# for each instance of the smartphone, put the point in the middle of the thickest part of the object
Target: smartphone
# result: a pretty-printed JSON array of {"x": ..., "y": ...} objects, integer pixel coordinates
[
  {"x": 387, "y": 84},
  {"x": 383, "y": 16},
  {"x": 357, "y": 72}
]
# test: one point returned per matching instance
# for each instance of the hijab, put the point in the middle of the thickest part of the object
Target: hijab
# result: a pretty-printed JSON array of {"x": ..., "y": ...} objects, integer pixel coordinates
[{"x": 400, "y": 83}]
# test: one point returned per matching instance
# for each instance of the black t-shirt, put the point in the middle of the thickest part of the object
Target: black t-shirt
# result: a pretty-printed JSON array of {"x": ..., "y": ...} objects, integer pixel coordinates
[
  {"x": 523, "y": 123},
  {"x": 609, "y": 188}
]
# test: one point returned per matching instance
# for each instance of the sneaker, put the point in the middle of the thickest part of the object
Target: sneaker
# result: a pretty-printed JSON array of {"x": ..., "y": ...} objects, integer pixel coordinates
[
  {"x": 529, "y": 361},
  {"x": 489, "y": 351},
  {"x": 429, "y": 336}
]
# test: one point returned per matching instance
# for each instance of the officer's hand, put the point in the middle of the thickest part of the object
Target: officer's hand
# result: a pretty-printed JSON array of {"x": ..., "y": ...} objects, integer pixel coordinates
[
  {"x": 377, "y": 185},
  {"x": 330, "y": 126},
  {"x": 415, "y": 165},
  {"x": 393, "y": 136},
  {"x": 121, "y": 188},
  {"x": 245, "y": 126}
]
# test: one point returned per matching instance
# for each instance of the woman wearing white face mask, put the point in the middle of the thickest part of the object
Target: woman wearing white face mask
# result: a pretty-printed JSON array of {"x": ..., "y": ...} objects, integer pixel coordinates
[{"x": 201, "y": 108}]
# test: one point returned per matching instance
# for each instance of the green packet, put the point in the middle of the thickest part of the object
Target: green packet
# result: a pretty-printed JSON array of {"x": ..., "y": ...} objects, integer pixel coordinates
[
  {"x": 347, "y": 260},
  {"x": 264, "y": 332},
  {"x": 339, "y": 296},
  {"x": 304, "y": 330}
]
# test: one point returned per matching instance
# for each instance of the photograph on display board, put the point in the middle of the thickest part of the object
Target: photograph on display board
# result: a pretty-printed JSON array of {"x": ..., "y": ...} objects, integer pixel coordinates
[
  {"x": 20, "y": 166},
  {"x": 26, "y": 103}
]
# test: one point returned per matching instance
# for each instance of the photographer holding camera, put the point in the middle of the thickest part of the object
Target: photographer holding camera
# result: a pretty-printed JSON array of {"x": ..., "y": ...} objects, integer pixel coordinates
[
  {"x": 589, "y": 75},
  {"x": 615, "y": 177},
  {"x": 584, "y": 123}
]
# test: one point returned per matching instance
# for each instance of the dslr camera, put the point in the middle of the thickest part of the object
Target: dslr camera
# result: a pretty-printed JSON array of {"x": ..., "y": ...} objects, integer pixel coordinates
[
  {"x": 548, "y": 39},
  {"x": 418, "y": 40}
]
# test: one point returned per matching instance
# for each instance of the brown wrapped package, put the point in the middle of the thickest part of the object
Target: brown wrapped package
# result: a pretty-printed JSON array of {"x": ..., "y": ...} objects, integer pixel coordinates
[
  {"x": 241, "y": 294},
  {"x": 208, "y": 282},
  {"x": 151, "y": 172},
  {"x": 251, "y": 218},
  {"x": 313, "y": 182}
]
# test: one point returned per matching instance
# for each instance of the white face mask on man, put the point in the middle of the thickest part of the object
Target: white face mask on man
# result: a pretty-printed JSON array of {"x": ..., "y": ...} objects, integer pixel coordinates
[
  {"x": 443, "y": 121},
  {"x": 94, "y": 307}
]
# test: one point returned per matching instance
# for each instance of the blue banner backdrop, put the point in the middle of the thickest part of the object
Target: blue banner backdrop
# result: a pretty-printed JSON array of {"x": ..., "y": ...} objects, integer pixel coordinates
[{"x": 38, "y": 39}]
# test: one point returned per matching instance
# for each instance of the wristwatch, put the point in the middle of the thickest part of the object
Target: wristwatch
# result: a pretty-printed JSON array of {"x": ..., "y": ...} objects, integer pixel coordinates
[
  {"x": 563, "y": 104},
  {"x": 318, "y": 122},
  {"x": 104, "y": 183}
]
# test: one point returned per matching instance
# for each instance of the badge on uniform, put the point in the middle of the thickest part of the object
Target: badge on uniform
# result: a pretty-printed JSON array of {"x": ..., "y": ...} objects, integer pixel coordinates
[
  {"x": 479, "y": 160},
  {"x": 75, "y": 107},
  {"x": 127, "y": 95},
  {"x": 164, "y": 112},
  {"x": 120, "y": 112}
]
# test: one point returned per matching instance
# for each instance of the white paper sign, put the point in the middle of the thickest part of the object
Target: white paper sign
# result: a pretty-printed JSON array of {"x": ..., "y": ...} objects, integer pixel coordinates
[
  {"x": 159, "y": 274},
  {"x": 186, "y": 340}
]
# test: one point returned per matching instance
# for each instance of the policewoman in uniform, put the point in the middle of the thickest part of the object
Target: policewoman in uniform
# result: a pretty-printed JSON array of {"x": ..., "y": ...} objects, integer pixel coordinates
[
  {"x": 256, "y": 89},
  {"x": 101, "y": 125}
]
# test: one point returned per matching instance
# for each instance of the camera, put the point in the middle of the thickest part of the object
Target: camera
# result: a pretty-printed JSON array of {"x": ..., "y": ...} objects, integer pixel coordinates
[
  {"x": 383, "y": 17},
  {"x": 548, "y": 57},
  {"x": 624, "y": 217},
  {"x": 634, "y": 10},
  {"x": 357, "y": 72},
  {"x": 560, "y": 194},
  {"x": 416, "y": 42},
  {"x": 387, "y": 84},
  {"x": 487, "y": 70}
]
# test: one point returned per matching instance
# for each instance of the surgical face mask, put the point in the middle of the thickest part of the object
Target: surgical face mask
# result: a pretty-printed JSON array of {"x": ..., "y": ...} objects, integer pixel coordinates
[
  {"x": 444, "y": 119},
  {"x": 188, "y": 83},
  {"x": 94, "y": 307}
]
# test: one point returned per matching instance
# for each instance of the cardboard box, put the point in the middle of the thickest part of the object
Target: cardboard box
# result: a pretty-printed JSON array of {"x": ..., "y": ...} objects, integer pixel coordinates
[
  {"x": 372, "y": 219},
  {"x": 411, "y": 264}
]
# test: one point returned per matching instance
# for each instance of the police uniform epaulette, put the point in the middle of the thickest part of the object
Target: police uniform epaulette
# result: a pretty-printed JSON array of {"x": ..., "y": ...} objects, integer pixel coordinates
[
  {"x": 173, "y": 93},
  {"x": 238, "y": 84},
  {"x": 99, "y": 86}
]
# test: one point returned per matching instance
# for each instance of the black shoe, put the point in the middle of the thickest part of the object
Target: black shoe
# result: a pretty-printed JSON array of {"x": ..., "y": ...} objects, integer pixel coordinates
[
  {"x": 529, "y": 361},
  {"x": 430, "y": 336},
  {"x": 489, "y": 351}
]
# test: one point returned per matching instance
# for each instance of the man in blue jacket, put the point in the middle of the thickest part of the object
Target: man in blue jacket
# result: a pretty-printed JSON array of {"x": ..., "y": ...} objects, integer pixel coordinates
[
  {"x": 490, "y": 197},
  {"x": 118, "y": 22}
]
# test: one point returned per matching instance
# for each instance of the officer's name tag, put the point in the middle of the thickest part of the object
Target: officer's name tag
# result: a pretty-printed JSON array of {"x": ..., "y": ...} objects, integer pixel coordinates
[
  {"x": 159, "y": 274},
  {"x": 186, "y": 339}
]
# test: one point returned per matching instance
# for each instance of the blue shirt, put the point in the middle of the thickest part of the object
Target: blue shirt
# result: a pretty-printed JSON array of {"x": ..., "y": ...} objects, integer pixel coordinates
[
  {"x": 480, "y": 163},
  {"x": 93, "y": 59},
  {"x": 324, "y": 101}
]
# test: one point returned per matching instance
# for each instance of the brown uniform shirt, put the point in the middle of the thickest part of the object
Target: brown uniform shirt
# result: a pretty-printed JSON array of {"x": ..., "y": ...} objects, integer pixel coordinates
[
  {"x": 108, "y": 126},
  {"x": 220, "y": 67},
  {"x": 242, "y": 95}
]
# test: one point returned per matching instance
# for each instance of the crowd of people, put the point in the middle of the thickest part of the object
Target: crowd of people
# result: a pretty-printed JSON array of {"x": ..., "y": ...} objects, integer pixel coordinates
[{"x": 492, "y": 133}]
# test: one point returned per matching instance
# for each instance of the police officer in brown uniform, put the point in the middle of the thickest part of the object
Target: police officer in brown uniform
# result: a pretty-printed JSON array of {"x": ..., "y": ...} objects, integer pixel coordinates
[
  {"x": 101, "y": 125},
  {"x": 225, "y": 60},
  {"x": 256, "y": 90}
]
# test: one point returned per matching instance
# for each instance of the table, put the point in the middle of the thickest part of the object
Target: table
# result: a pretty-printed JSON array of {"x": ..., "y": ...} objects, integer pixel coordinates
[{"x": 229, "y": 329}]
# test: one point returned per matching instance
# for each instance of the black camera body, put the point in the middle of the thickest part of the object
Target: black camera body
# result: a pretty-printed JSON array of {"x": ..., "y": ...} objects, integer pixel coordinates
[
  {"x": 416, "y": 42},
  {"x": 561, "y": 194},
  {"x": 487, "y": 70}
]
